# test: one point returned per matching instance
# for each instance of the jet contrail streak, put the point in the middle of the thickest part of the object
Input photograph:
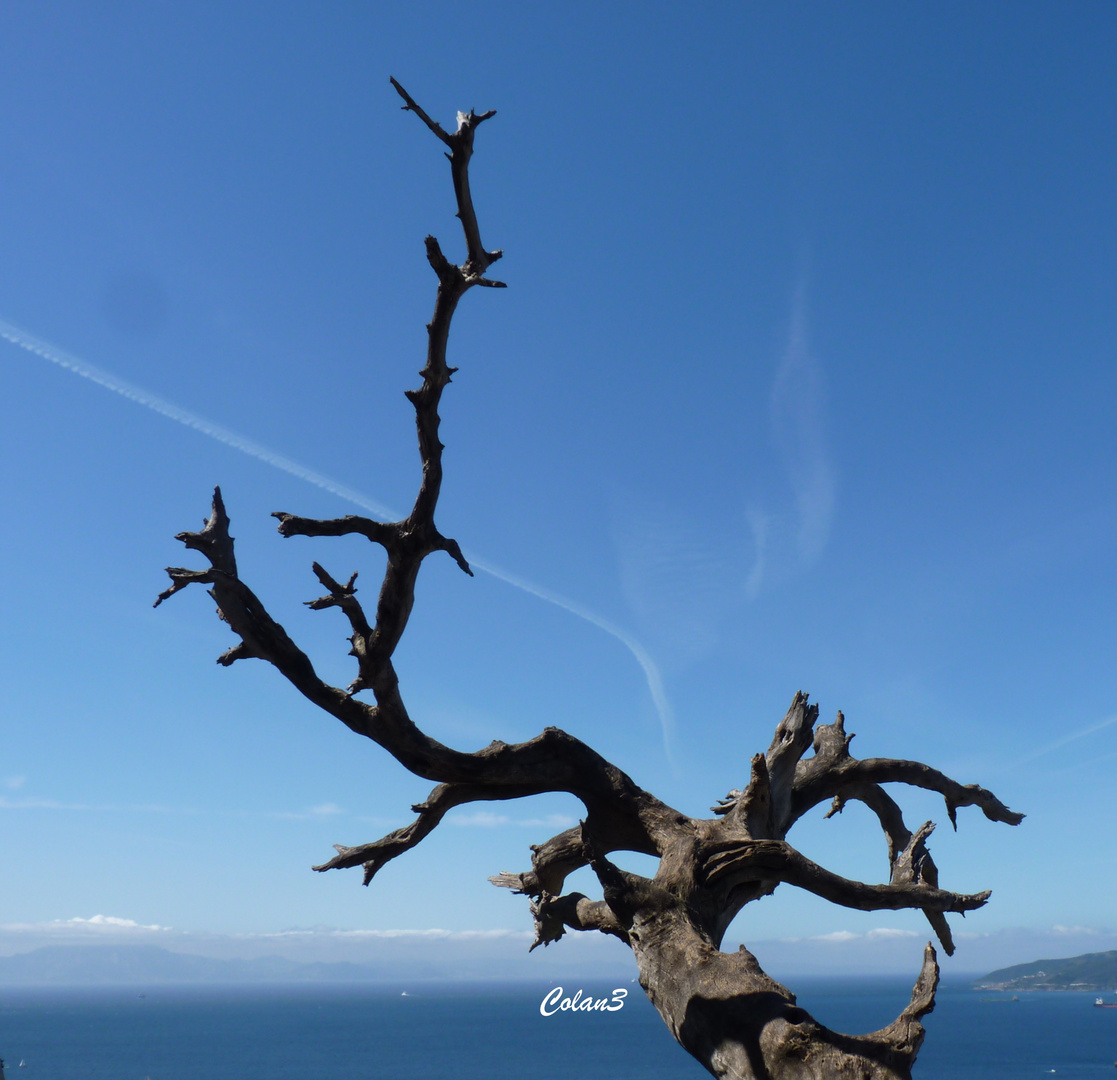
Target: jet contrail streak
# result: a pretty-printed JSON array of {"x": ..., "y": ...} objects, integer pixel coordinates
[
  {"x": 1058, "y": 744},
  {"x": 63, "y": 359},
  {"x": 165, "y": 408},
  {"x": 651, "y": 672}
]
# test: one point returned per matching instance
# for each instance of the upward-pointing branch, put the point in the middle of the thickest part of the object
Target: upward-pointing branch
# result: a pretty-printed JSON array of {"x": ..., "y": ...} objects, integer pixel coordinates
[{"x": 461, "y": 150}]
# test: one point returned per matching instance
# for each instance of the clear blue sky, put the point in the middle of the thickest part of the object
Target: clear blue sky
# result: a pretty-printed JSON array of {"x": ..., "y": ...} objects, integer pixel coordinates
[{"x": 805, "y": 379}]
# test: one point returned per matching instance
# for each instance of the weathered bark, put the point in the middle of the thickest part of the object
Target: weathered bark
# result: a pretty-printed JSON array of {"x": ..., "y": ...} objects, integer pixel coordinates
[{"x": 721, "y": 1007}]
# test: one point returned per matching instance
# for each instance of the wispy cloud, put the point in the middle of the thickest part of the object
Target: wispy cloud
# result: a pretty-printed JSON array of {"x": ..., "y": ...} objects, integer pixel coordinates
[
  {"x": 110, "y": 922},
  {"x": 798, "y": 413},
  {"x": 148, "y": 400},
  {"x": 838, "y": 936},
  {"x": 325, "y": 810},
  {"x": 41, "y": 804},
  {"x": 14, "y": 783},
  {"x": 680, "y": 577},
  {"x": 108, "y": 925},
  {"x": 486, "y": 819},
  {"x": 673, "y": 574},
  {"x": 551, "y": 821},
  {"x": 843, "y": 937},
  {"x": 322, "y": 811},
  {"x": 55, "y": 804},
  {"x": 421, "y": 935},
  {"x": 1058, "y": 744},
  {"x": 97, "y": 924},
  {"x": 760, "y": 524}
]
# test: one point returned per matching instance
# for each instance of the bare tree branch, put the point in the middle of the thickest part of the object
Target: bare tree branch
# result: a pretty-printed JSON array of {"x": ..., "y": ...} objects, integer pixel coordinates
[
  {"x": 431, "y": 811},
  {"x": 461, "y": 150},
  {"x": 832, "y": 770},
  {"x": 552, "y": 915},
  {"x": 376, "y": 531},
  {"x": 736, "y": 1020},
  {"x": 900, "y": 839},
  {"x": 761, "y": 860}
]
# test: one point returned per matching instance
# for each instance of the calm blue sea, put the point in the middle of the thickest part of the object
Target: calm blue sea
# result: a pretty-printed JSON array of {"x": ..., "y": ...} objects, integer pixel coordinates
[{"x": 487, "y": 1032}]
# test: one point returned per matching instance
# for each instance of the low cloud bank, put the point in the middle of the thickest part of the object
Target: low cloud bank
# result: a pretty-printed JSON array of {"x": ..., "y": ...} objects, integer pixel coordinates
[
  {"x": 503, "y": 953},
  {"x": 434, "y": 954},
  {"x": 892, "y": 951}
]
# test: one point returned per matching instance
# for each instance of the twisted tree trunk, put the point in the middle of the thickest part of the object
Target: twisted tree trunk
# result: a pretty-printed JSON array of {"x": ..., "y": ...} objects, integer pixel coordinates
[{"x": 741, "y": 1024}]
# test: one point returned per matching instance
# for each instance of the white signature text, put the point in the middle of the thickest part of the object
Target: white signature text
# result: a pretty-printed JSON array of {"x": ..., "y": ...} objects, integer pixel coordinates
[{"x": 555, "y": 1002}]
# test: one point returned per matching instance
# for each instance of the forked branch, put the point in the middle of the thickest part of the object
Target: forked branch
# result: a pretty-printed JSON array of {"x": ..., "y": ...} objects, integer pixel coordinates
[{"x": 753, "y": 861}]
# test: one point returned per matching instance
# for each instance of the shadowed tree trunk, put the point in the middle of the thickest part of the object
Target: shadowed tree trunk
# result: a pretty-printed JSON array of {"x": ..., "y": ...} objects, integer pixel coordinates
[{"x": 739, "y": 1023}]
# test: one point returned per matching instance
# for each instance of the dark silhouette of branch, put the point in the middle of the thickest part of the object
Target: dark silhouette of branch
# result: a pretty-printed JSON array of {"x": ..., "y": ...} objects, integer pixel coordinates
[{"x": 721, "y": 1007}]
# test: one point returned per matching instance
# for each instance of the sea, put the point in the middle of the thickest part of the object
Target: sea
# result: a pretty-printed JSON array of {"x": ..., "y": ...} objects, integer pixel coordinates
[{"x": 497, "y": 1032}]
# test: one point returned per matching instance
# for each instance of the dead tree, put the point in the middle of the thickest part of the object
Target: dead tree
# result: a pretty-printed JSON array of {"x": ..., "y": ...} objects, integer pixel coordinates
[{"x": 731, "y": 1016}]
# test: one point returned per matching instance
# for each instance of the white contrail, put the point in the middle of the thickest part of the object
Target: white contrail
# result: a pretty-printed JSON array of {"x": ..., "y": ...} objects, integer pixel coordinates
[
  {"x": 157, "y": 404},
  {"x": 651, "y": 672},
  {"x": 55, "y": 355},
  {"x": 1058, "y": 744}
]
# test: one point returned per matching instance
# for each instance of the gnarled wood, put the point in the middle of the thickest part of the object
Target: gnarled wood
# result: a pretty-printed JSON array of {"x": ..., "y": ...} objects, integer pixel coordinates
[{"x": 721, "y": 1007}]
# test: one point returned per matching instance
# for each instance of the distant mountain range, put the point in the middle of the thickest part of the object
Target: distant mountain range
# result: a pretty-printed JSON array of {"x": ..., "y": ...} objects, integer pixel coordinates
[
  {"x": 1091, "y": 971},
  {"x": 122, "y": 965},
  {"x": 101, "y": 965}
]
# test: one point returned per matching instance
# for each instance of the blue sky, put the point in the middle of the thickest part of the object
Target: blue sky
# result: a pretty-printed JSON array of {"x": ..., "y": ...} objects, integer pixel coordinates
[{"x": 805, "y": 379}]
